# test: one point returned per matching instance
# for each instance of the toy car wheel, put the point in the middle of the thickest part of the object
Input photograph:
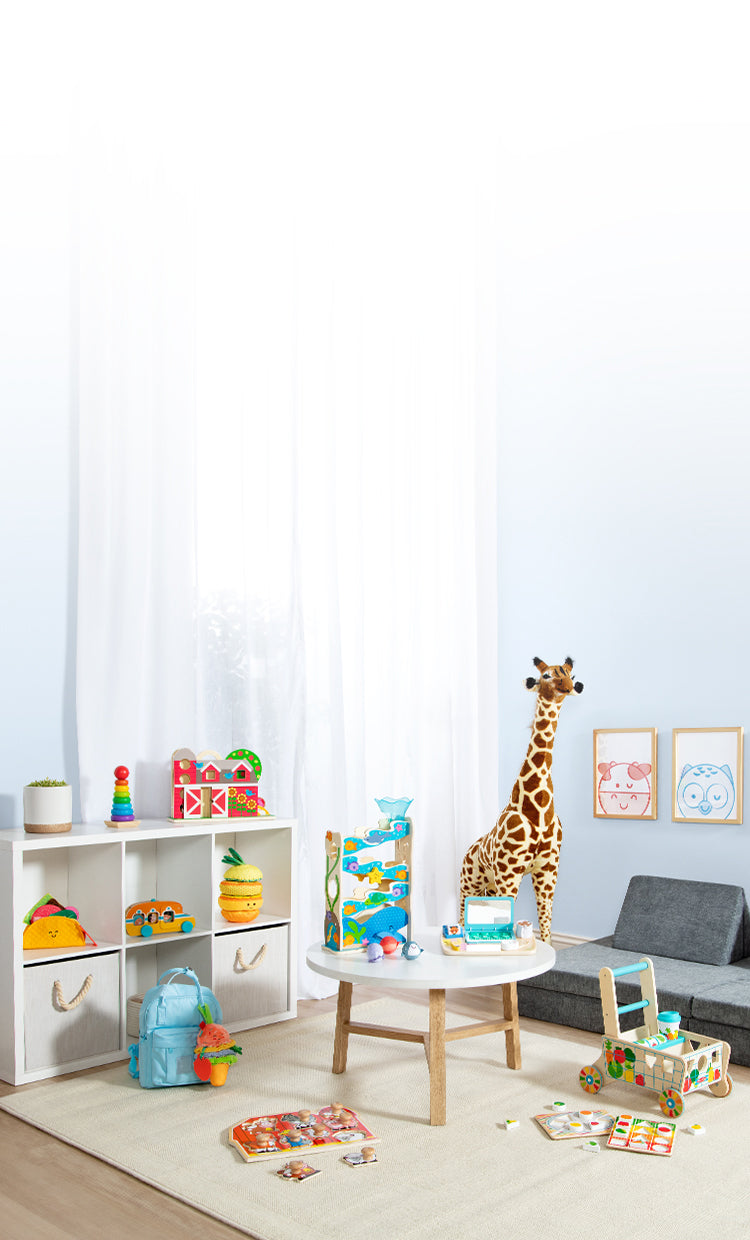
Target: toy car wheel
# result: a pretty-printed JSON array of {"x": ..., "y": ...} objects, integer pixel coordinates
[
  {"x": 590, "y": 1079},
  {"x": 187, "y": 926},
  {"x": 722, "y": 1088},
  {"x": 671, "y": 1103},
  {"x": 146, "y": 931}
]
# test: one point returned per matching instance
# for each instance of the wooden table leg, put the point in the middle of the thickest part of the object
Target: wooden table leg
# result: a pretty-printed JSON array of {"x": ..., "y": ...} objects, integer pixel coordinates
[
  {"x": 436, "y": 1056},
  {"x": 512, "y": 1035},
  {"x": 341, "y": 1036}
]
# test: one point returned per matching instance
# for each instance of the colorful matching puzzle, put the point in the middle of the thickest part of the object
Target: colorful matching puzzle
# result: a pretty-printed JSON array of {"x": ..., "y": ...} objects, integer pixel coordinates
[
  {"x": 267, "y": 1136},
  {"x": 642, "y": 1136},
  {"x": 564, "y": 1124}
]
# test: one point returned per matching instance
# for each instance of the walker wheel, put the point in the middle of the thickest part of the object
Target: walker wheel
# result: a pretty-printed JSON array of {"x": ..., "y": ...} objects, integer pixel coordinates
[
  {"x": 722, "y": 1088},
  {"x": 671, "y": 1103},
  {"x": 590, "y": 1079}
]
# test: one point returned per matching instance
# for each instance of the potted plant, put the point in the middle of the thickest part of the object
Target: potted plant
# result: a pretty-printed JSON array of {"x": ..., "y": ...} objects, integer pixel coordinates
[{"x": 47, "y": 806}]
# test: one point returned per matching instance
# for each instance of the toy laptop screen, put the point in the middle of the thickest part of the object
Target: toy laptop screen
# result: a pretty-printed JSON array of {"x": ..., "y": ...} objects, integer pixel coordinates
[{"x": 488, "y": 916}]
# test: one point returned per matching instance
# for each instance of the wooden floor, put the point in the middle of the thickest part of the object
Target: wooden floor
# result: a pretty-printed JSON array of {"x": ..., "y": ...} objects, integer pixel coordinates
[{"x": 50, "y": 1189}]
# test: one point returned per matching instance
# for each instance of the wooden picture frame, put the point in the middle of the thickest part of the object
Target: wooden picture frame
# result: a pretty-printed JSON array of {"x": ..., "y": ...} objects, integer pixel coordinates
[
  {"x": 707, "y": 775},
  {"x": 625, "y": 773}
]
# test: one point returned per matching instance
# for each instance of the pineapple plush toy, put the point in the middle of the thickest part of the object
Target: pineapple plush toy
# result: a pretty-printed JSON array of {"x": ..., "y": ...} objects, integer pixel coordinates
[{"x": 241, "y": 896}]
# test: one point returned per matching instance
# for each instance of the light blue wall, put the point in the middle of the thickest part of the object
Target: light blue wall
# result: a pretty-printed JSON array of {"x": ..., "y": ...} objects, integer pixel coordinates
[{"x": 625, "y": 509}]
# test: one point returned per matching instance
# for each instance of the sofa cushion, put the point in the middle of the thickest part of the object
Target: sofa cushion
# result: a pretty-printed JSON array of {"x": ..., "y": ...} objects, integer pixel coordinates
[
  {"x": 727, "y": 1003},
  {"x": 576, "y": 975},
  {"x": 682, "y": 919}
]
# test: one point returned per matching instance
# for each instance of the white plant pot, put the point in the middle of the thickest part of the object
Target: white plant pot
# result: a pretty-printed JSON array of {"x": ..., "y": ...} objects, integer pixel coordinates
[{"x": 47, "y": 810}]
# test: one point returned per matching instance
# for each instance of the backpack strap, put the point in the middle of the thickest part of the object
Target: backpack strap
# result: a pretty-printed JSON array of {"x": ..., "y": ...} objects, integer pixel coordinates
[{"x": 172, "y": 973}]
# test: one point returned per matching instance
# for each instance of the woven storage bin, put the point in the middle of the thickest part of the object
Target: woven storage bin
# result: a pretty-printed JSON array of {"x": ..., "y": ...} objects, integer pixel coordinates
[{"x": 133, "y": 1016}]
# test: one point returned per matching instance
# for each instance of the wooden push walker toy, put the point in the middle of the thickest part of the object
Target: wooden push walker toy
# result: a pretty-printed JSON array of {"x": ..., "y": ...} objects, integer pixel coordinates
[{"x": 672, "y": 1068}]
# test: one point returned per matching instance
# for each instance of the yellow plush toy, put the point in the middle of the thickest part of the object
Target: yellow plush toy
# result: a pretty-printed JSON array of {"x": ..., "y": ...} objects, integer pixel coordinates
[
  {"x": 55, "y": 931},
  {"x": 51, "y": 924},
  {"x": 241, "y": 896}
]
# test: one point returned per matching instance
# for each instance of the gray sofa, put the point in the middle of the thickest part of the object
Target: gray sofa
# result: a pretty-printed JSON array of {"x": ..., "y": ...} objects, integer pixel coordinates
[{"x": 698, "y": 936}]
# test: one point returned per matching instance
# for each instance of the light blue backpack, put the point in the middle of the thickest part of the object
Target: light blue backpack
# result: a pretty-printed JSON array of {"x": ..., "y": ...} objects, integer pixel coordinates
[{"x": 169, "y": 1025}]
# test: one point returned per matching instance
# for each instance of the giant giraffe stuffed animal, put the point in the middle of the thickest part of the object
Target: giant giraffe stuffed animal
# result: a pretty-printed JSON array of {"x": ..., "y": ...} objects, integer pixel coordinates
[{"x": 526, "y": 837}]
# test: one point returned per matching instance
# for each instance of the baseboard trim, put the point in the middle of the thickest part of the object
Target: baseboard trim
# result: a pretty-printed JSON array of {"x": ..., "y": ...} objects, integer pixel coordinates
[{"x": 568, "y": 940}]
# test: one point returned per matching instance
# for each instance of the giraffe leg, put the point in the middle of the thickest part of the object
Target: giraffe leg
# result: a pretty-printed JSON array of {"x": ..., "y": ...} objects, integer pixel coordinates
[
  {"x": 543, "y": 881},
  {"x": 472, "y": 881}
]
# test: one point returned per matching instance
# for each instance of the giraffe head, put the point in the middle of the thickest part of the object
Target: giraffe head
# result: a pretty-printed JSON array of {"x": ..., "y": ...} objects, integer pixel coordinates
[{"x": 555, "y": 681}]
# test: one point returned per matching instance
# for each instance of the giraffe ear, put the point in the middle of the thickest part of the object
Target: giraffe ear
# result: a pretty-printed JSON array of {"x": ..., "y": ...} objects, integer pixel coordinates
[
  {"x": 531, "y": 683},
  {"x": 540, "y": 664},
  {"x": 568, "y": 663}
]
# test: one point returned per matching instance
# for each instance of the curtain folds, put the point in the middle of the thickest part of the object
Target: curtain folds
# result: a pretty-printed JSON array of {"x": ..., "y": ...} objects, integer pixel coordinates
[{"x": 288, "y": 406}]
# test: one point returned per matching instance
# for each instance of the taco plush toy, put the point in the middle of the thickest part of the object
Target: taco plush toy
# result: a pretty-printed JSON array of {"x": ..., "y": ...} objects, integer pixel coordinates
[{"x": 49, "y": 924}]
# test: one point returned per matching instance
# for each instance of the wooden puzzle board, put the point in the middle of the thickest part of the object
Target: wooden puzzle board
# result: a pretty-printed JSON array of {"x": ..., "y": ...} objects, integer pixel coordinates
[
  {"x": 293, "y": 1133},
  {"x": 564, "y": 1124},
  {"x": 642, "y": 1136}
]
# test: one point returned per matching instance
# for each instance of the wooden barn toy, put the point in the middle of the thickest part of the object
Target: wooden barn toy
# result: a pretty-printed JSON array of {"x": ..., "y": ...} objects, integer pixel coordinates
[
  {"x": 205, "y": 785},
  {"x": 368, "y": 881},
  {"x": 672, "y": 1068}
]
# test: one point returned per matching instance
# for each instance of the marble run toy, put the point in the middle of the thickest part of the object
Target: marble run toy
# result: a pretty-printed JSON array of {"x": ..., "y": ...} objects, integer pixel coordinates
[{"x": 368, "y": 881}]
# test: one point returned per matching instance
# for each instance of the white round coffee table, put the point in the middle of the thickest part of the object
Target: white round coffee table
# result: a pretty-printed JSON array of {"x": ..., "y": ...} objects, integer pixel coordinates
[{"x": 435, "y": 972}]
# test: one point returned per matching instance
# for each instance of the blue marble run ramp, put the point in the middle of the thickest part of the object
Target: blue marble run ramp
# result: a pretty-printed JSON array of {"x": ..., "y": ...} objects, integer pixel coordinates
[{"x": 368, "y": 884}]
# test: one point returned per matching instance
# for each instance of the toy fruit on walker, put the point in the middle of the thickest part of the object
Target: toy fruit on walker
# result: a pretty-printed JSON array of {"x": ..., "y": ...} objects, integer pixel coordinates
[{"x": 672, "y": 1068}]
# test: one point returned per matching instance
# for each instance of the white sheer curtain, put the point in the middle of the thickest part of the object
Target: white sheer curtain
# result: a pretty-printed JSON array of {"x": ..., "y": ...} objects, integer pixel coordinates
[{"x": 287, "y": 419}]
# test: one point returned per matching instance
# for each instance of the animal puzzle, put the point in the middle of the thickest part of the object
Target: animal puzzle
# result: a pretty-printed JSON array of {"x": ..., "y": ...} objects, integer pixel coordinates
[
  {"x": 268, "y": 1136},
  {"x": 642, "y": 1136}
]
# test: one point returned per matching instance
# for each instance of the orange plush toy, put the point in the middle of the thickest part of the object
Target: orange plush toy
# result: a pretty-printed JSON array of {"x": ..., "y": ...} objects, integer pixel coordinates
[
  {"x": 215, "y": 1050},
  {"x": 241, "y": 896}
]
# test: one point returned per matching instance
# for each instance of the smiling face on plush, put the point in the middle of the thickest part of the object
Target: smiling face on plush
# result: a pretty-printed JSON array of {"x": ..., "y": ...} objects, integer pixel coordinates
[
  {"x": 624, "y": 788},
  {"x": 705, "y": 791}
]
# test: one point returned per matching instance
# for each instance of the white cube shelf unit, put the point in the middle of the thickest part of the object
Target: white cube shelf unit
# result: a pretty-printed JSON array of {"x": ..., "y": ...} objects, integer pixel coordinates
[{"x": 101, "y": 871}]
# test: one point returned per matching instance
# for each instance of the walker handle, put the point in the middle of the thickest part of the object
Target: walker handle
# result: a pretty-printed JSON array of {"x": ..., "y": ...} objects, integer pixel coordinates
[
  {"x": 632, "y": 1007},
  {"x": 630, "y": 968}
]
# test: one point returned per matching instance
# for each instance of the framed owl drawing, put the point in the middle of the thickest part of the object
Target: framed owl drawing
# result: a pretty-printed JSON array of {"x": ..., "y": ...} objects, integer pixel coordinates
[
  {"x": 707, "y": 775},
  {"x": 625, "y": 773}
]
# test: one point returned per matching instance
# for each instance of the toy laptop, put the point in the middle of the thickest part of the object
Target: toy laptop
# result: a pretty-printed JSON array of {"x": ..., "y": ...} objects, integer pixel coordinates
[{"x": 487, "y": 928}]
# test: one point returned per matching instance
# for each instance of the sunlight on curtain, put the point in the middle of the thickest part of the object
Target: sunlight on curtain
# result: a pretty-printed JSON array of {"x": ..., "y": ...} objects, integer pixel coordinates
[{"x": 287, "y": 412}]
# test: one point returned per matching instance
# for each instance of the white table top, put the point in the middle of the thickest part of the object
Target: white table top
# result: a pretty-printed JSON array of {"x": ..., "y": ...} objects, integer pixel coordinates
[{"x": 432, "y": 970}]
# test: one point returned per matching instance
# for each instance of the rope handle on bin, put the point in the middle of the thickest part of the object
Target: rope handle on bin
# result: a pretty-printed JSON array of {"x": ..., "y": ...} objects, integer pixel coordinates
[
  {"x": 257, "y": 959},
  {"x": 68, "y": 1007}
]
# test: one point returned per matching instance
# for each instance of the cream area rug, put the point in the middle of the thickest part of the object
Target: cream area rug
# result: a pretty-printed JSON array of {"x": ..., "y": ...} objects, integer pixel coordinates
[{"x": 472, "y": 1178}]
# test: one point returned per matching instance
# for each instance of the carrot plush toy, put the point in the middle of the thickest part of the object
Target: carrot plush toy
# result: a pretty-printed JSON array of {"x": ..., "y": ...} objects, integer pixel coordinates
[{"x": 215, "y": 1050}]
